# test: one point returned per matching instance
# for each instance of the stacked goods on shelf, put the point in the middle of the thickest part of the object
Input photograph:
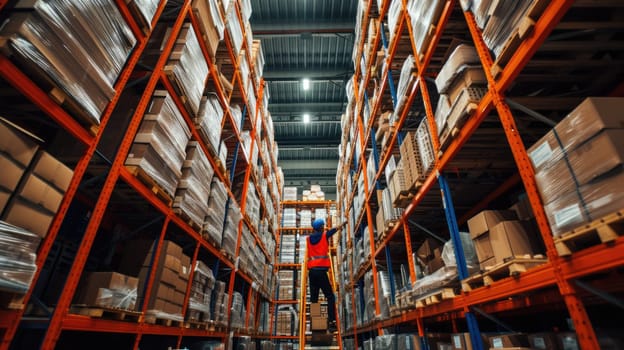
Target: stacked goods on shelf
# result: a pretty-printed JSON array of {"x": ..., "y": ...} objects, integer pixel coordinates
[
  {"x": 398, "y": 185},
  {"x": 290, "y": 194},
  {"x": 499, "y": 237},
  {"x": 18, "y": 252},
  {"x": 424, "y": 16},
  {"x": 237, "y": 116},
  {"x": 305, "y": 218},
  {"x": 303, "y": 246},
  {"x": 286, "y": 284},
  {"x": 213, "y": 225},
  {"x": 289, "y": 215},
  {"x": 193, "y": 191},
  {"x": 252, "y": 205},
  {"x": 32, "y": 184},
  {"x": 107, "y": 289},
  {"x": 257, "y": 57},
  {"x": 321, "y": 213},
  {"x": 412, "y": 163},
  {"x": 425, "y": 147},
  {"x": 237, "y": 314},
  {"x": 211, "y": 24},
  {"x": 396, "y": 6},
  {"x": 235, "y": 29},
  {"x": 221, "y": 303},
  {"x": 171, "y": 275},
  {"x": 461, "y": 84},
  {"x": 144, "y": 11},
  {"x": 230, "y": 229},
  {"x": 406, "y": 81},
  {"x": 313, "y": 194},
  {"x": 387, "y": 214},
  {"x": 187, "y": 69},
  {"x": 288, "y": 249},
  {"x": 159, "y": 147},
  {"x": 209, "y": 121},
  {"x": 77, "y": 49},
  {"x": 223, "y": 151},
  {"x": 578, "y": 164},
  {"x": 199, "y": 308}
]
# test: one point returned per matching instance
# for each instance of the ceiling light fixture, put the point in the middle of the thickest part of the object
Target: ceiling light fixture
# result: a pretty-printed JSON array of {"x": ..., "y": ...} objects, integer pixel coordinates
[
  {"x": 306, "y": 84},
  {"x": 306, "y": 118}
]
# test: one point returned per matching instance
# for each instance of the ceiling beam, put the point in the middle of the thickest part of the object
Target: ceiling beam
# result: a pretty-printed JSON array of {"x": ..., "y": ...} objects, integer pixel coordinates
[
  {"x": 307, "y": 107},
  {"x": 307, "y": 164},
  {"x": 278, "y": 28},
  {"x": 312, "y": 74}
]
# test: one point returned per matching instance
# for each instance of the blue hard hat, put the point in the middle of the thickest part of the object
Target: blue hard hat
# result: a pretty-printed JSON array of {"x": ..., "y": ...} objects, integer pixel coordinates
[{"x": 318, "y": 224}]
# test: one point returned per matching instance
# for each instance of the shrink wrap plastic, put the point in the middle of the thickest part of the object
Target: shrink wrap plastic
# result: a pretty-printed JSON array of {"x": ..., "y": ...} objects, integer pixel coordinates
[{"x": 18, "y": 249}]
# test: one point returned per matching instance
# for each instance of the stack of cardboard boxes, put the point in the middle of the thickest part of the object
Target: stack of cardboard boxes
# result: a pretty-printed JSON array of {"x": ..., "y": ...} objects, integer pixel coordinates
[
  {"x": 461, "y": 83},
  {"x": 199, "y": 308},
  {"x": 32, "y": 182},
  {"x": 499, "y": 236},
  {"x": 578, "y": 164},
  {"x": 410, "y": 156},
  {"x": 171, "y": 275},
  {"x": 193, "y": 190},
  {"x": 429, "y": 255},
  {"x": 318, "y": 317},
  {"x": 159, "y": 147},
  {"x": 213, "y": 224}
]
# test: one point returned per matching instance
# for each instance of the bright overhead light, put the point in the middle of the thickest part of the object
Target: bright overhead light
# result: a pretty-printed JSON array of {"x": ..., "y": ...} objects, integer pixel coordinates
[
  {"x": 306, "y": 84},
  {"x": 306, "y": 118}
]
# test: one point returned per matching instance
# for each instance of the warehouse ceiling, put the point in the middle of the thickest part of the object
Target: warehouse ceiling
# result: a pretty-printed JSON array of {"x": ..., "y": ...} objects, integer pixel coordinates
[{"x": 306, "y": 39}]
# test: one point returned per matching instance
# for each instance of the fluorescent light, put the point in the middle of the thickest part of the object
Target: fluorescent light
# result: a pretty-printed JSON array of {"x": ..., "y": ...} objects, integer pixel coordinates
[
  {"x": 306, "y": 84},
  {"x": 306, "y": 118}
]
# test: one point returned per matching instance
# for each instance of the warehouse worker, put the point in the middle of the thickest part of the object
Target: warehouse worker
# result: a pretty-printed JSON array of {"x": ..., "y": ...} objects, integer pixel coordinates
[{"x": 318, "y": 266}]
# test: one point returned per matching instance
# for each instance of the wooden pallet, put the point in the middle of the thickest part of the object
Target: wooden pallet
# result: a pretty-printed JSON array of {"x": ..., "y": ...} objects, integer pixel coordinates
[
  {"x": 150, "y": 183},
  {"x": 604, "y": 230},
  {"x": 153, "y": 319},
  {"x": 513, "y": 267},
  {"x": 524, "y": 30},
  {"x": 194, "y": 324},
  {"x": 108, "y": 313},
  {"x": 11, "y": 301},
  {"x": 435, "y": 297}
]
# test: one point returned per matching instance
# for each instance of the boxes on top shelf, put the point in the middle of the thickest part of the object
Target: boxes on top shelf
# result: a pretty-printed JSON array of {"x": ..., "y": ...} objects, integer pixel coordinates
[
  {"x": 144, "y": 11},
  {"x": 424, "y": 17},
  {"x": 107, "y": 289},
  {"x": 80, "y": 56}
]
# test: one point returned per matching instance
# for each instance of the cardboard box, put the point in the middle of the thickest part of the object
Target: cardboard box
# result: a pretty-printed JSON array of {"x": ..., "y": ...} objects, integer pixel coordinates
[
  {"x": 482, "y": 222},
  {"x": 318, "y": 323},
  {"x": 568, "y": 341},
  {"x": 589, "y": 118},
  {"x": 470, "y": 76},
  {"x": 53, "y": 171},
  {"x": 11, "y": 173},
  {"x": 315, "y": 310},
  {"x": 20, "y": 213},
  {"x": 207, "y": 12},
  {"x": 553, "y": 180},
  {"x": 40, "y": 194},
  {"x": 509, "y": 340},
  {"x": 436, "y": 263},
  {"x": 598, "y": 155},
  {"x": 523, "y": 208},
  {"x": 546, "y": 341},
  {"x": 509, "y": 239},
  {"x": 426, "y": 251},
  {"x": 16, "y": 144},
  {"x": 586, "y": 120},
  {"x": 483, "y": 247}
]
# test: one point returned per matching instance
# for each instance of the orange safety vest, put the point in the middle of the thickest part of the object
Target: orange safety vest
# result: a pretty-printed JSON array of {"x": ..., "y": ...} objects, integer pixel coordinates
[{"x": 318, "y": 254}]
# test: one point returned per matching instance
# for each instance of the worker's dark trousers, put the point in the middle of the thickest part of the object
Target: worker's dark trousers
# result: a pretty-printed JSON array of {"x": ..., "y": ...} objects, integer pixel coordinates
[{"x": 320, "y": 281}]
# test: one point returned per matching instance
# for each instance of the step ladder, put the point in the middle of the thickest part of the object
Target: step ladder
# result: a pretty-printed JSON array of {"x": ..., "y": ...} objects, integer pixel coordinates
[{"x": 317, "y": 340}]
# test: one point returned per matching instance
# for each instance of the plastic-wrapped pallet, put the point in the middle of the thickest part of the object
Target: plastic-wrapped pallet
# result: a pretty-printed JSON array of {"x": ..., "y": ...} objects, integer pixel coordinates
[
  {"x": 213, "y": 226},
  {"x": 504, "y": 19},
  {"x": 289, "y": 216},
  {"x": 221, "y": 304},
  {"x": 18, "y": 251},
  {"x": 424, "y": 15},
  {"x": 425, "y": 147},
  {"x": 463, "y": 55},
  {"x": 230, "y": 231},
  {"x": 305, "y": 218},
  {"x": 234, "y": 29},
  {"x": 287, "y": 249},
  {"x": 290, "y": 193},
  {"x": 321, "y": 213},
  {"x": 406, "y": 80},
  {"x": 237, "y": 311},
  {"x": 385, "y": 342},
  {"x": 210, "y": 22},
  {"x": 194, "y": 186},
  {"x": 396, "y": 6},
  {"x": 201, "y": 293},
  {"x": 146, "y": 10},
  {"x": 209, "y": 121},
  {"x": 80, "y": 45},
  {"x": 159, "y": 145},
  {"x": 188, "y": 69}
]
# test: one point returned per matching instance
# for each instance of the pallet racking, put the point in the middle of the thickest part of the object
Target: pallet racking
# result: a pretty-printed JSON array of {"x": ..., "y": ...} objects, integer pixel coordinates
[
  {"x": 104, "y": 193},
  {"x": 553, "y": 41}
]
